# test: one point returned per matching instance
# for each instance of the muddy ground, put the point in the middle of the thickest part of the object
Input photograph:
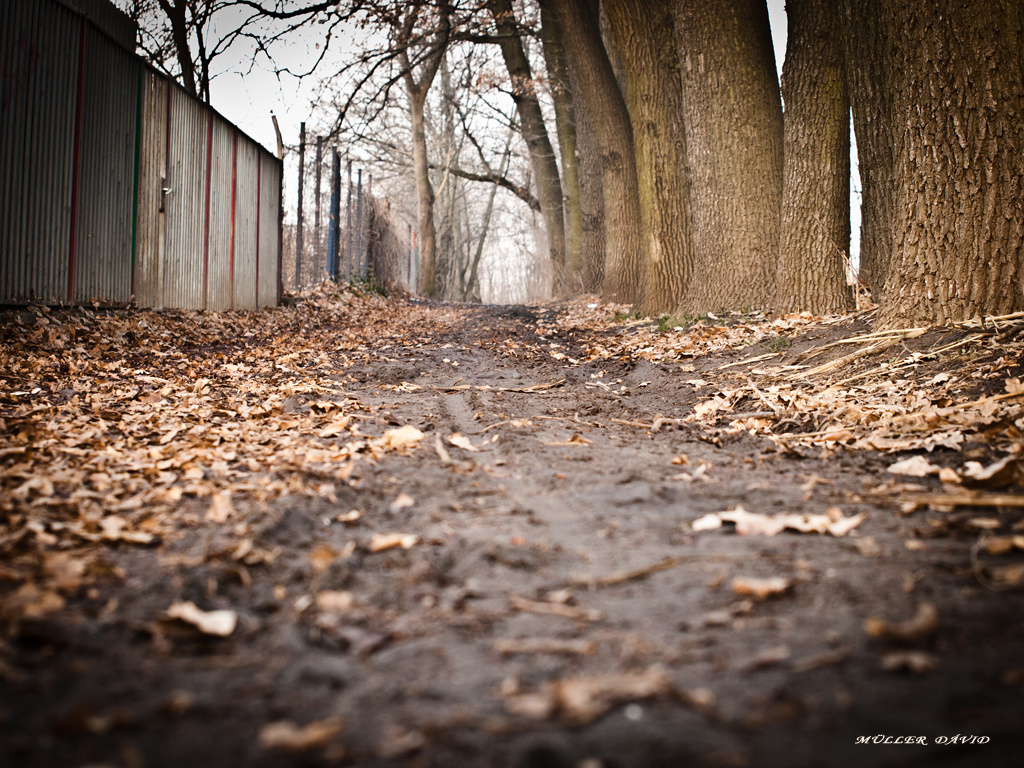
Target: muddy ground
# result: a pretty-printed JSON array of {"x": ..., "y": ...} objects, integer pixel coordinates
[{"x": 556, "y": 607}]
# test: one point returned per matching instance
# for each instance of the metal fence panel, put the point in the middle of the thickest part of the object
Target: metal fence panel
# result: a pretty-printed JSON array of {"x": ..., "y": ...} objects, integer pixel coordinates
[
  {"x": 269, "y": 247},
  {"x": 116, "y": 183},
  {"x": 185, "y": 203},
  {"x": 220, "y": 216},
  {"x": 149, "y": 226},
  {"x": 246, "y": 194},
  {"x": 103, "y": 261},
  {"x": 39, "y": 57}
]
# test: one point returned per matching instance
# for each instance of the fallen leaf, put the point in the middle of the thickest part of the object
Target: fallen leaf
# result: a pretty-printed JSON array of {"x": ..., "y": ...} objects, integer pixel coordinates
[
  {"x": 915, "y": 466},
  {"x": 220, "y": 508},
  {"x": 581, "y": 700},
  {"x": 754, "y": 524},
  {"x": 115, "y": 528},
  {"x": 290, "y": 737},
  {"x": 219, "y": 623},
  {"x": 402, "y": 501},
  {"x": 336, "y": 427},
  {"x": 382, "y": 541},
  {"x": 915, "y": 629},
  {"x": 403, "y": 437},
  {"x": 348, "y": 517},
  {"x": 333, "y": 601},
  {"x": 760, "y": 589},
  {"x": 461, "y": 441},
  {"x": 996, "y": 475},
  {"x": 321, "y": 557},
  {"x": 917, "y": 662}
]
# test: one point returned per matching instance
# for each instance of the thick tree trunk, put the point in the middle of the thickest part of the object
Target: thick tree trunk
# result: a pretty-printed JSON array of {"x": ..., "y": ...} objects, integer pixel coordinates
[
  {"x": 645, "y": 39},
  {"x": 565, "y": 125},
  {"x": 610, "y": 119},
  {"x": 733, "y": 118},
  {"x": 869, "y": 75},
  {"x": 535, "y": 134},
  {"x": 958, "y": 218},
  {"x": 591, "y": 194},
  {"x": 816, "y": 179}
]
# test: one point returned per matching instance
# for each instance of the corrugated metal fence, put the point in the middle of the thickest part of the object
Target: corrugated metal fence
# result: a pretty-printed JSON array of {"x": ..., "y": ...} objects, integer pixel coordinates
[{"x": 116, "y": 184}]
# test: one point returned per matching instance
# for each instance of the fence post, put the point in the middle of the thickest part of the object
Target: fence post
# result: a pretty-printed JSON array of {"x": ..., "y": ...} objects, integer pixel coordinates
[
  {"x": 298, "y": 229},
  {"x": 359, "y": 223},
  {"x": 368, "y": 215},
  {"x": 408, "y": 258},
  {"x": 333, "y": 233},
  {"x": 349, "y": 234},
  {"x": 318, "y": 250}
]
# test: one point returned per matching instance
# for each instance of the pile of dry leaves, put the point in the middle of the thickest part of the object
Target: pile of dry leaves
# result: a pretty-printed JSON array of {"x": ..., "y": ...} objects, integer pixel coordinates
[
  {"x": 829, "y": 384},
  {"x": 110, "y": 420}
]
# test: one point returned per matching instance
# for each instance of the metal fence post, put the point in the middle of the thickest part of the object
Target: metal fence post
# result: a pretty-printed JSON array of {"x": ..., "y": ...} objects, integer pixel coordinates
[
  {"x": 298, "y": 229},
  {"x": 318, "y": 251},
  {"x": 349, "y": 234},
  {"x": 333, "y": 239},
  {"x": 358, "y": 265}
]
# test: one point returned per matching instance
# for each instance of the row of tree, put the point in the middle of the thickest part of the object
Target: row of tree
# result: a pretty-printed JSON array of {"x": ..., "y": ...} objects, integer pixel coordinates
[{"x": 679, "y": 184}]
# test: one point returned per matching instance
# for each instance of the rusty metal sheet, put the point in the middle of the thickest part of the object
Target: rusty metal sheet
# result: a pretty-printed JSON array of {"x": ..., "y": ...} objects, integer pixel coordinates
[
  {"x": 40, "y": 45},
  {"x": 246, "y": 194},
  {"x": 269, "y": 234},
  {"x": 220, "y": 216},
  {"x": 103, "y": 261},
  {"x": 149, "y": 225},
  {"x": 185, "y": 202}
]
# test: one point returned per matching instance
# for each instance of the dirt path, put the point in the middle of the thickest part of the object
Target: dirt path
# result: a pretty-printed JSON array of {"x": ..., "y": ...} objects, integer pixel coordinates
[{"x": 548, "y": 602}]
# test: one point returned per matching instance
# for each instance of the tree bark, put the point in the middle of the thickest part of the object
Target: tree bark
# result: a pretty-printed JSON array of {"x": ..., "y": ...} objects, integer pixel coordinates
[
  {"x": 614, "y": 134},
  {"x": 816, "y": 178},
  {"x": 535, "y": 134},
  {"x": 958, "y": 218},
  {"x": 869, "y": 75},
  {"x": 591, "y": 194},
  {"x": 643, "y": 33},
  {"x": 733, "y": 118},
  {"x": 565, "y": 126}
]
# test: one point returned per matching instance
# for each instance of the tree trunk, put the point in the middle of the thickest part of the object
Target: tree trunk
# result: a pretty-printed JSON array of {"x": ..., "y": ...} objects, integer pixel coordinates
[
  {"x": 733, "y": 119},
  {"x": 643, "y": 33},
  {"x": 177, "y": 14},
  {"x": 614, "y": 134},
  {"x": 958, "y": 218},
  {"x": 417, "y": 92},
  {"x": 424, "y": 195},
  {"x": 565, "y": 125},
  {"x": 869, "y": 75},
  {"x": 591, "y": 194},
  {"x": 535, "y": 134},
  {"x": 816, "y": 180}
]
